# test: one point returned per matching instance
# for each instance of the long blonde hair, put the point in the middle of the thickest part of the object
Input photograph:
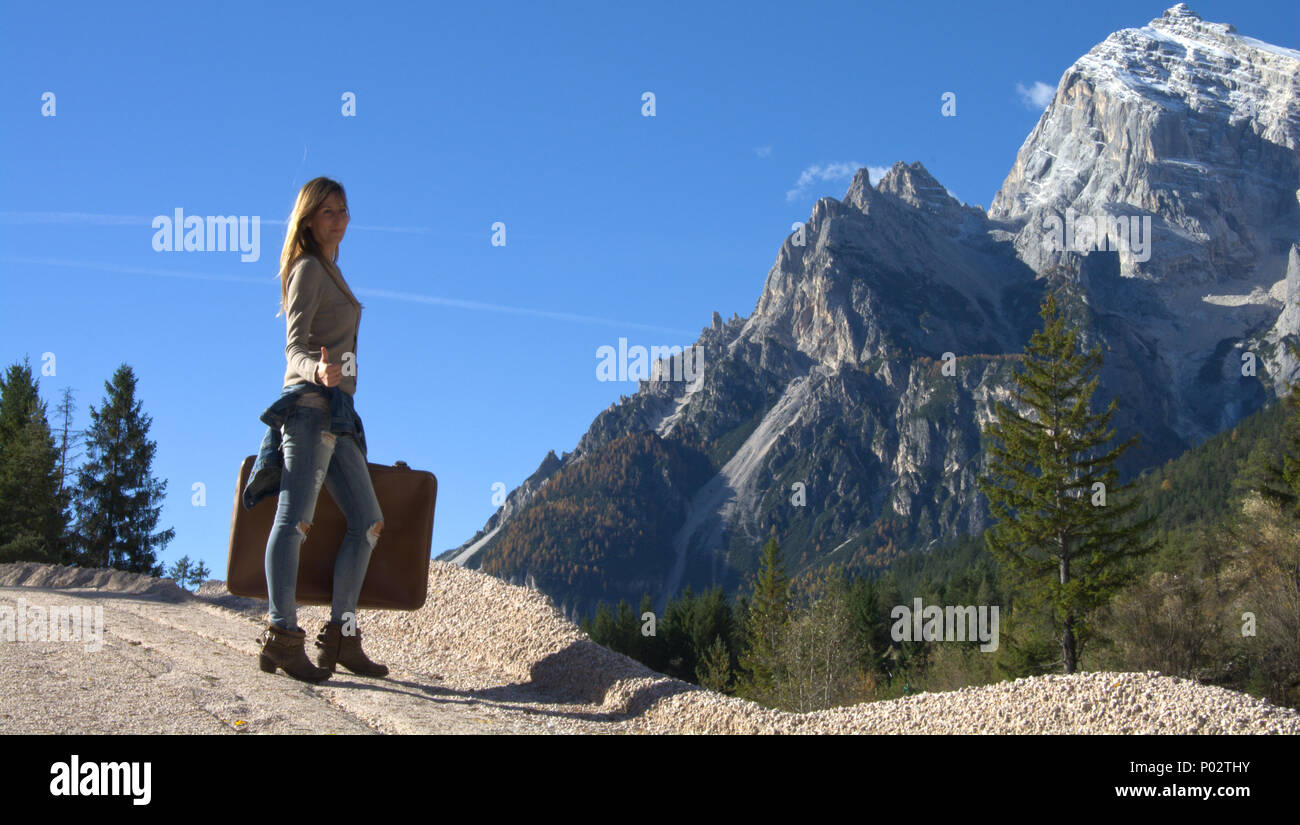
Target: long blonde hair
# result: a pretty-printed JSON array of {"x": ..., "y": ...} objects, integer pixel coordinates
[{"x": 298, "y": 240}]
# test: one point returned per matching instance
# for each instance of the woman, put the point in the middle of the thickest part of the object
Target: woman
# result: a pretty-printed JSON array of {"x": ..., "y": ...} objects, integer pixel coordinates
[{"x": 322, "y": 439}]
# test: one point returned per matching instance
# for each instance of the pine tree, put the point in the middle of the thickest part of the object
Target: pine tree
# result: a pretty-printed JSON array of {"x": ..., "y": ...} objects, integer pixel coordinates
[
  {"x": 199, "y": 574},
  {"x": 710, "y": 618},
  {"x": 714, "y": 669},
  {"x": 679, "y": 651},
  {"x": 627, "y": 630},
  {"x": 1059, "y": 533},
  {"x": 119, "y": 500},
  {"x": 67, "y": 436},
  {"x": 768, "y": 615},
  {"x": 652, "y": 646},
  {"x": 602, "y": 627},
  {"x": 33, "y": 508},
  {"x": 180, "y": 571}
]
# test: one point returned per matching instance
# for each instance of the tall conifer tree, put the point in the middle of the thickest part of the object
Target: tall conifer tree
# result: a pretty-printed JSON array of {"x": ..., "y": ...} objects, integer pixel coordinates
[
  {"x": 33, "y": 507},
  {"x": 1061, "y": 530},
  {"x": 768, "y": 615},
  {"x": 119, "y": 500}
]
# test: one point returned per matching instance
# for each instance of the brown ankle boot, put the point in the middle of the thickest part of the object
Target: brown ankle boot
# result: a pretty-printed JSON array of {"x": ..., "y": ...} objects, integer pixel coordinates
[
  {"x": 283, "y": 648},
  {"x": 345, "y": 649}
]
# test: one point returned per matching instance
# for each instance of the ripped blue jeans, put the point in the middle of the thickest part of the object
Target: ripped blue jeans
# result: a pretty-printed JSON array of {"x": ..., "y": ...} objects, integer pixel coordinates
[{"x": 313, "y": 456}]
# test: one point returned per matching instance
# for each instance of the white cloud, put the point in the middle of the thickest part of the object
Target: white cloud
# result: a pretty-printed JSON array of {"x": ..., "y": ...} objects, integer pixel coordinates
[
  {"x": 763, "y": 151},
  {"x": 817, "y": 174},
  {"x": 877, "y": 172},
  {"x": 1037, "y": 96}
]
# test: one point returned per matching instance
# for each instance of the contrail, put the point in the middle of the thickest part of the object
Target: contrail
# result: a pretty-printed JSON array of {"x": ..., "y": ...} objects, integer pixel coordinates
[
  {"x": 409, "y": 297},
  {"x": 539, "y": 313},
  {"x": 74, "y": 217},
  {"x": 146, "y": 220},
  {"x": 132, "y": 270}
]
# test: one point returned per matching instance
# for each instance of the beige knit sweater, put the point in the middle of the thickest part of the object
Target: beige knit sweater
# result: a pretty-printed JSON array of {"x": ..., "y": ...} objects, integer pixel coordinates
[{"x": 320, "y": 311}]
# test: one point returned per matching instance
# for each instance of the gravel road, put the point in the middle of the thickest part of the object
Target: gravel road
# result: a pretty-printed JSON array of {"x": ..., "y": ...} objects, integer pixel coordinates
[{"x": 483, "y": 656}]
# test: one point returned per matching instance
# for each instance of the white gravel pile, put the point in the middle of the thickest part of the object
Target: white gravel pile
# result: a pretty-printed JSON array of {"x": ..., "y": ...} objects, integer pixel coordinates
[
  {"x": 31, "y": 574},
  {"x": 1080, "y": 703},
  {"x": 474, "y": 623}
]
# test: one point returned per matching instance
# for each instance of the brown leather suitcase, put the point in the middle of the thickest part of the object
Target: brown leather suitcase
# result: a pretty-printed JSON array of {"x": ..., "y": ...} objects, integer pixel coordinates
[{"x": 398, "y": 576}]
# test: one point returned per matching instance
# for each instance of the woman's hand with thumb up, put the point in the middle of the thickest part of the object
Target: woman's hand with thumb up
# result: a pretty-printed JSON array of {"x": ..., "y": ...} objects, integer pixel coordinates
[{"x": 326, "y": 373}]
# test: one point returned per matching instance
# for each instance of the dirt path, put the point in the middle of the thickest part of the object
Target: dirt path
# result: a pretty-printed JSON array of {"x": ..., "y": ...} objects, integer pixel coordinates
[
  {"x": 484, "y": 656},
  {"x": 192, "y": 668}
]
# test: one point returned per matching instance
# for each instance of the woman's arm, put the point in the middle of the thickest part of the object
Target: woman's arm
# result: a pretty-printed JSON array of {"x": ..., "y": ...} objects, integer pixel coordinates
[{"x": 304, "y": 291}]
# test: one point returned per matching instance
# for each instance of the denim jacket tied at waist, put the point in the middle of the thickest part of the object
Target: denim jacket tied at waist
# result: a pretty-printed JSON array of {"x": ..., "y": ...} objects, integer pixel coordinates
[{"x": 264, "y": 479}]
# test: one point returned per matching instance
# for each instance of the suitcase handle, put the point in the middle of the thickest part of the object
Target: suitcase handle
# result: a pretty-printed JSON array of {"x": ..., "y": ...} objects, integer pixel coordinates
[{"x": 401, "y": 465}]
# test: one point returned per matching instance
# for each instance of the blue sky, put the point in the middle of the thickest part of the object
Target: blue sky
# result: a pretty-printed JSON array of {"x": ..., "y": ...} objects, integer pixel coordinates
[{"x": 473, "y": 359}]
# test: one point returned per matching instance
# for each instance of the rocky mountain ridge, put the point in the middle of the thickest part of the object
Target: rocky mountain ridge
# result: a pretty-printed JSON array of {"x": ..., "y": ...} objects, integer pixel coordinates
[{"x": 825, "y": 414}]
